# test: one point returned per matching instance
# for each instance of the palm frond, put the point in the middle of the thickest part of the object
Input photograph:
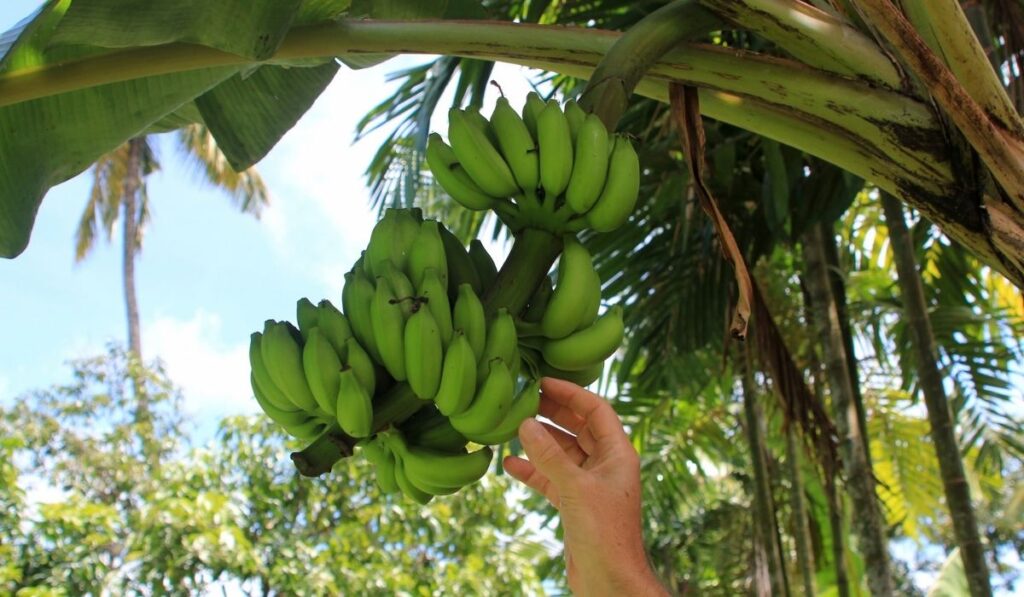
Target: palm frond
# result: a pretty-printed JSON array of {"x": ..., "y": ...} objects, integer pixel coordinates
[{"x": 246, "y": 189}]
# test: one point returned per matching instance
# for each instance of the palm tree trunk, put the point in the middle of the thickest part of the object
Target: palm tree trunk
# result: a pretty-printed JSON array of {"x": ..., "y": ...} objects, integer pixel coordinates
[
  {"x": 947, "y": 450},
  {"x": 765, "y": 544},
  {"x": 835, "y": 523},
  {"x": 132, "y": 184},
  {"x": 801, "y": 530},
  {"x": 867, "y": 519}
]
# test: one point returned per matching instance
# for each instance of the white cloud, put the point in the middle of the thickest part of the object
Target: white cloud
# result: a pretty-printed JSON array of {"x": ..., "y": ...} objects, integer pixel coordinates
[{"x": 213, "y": 374}]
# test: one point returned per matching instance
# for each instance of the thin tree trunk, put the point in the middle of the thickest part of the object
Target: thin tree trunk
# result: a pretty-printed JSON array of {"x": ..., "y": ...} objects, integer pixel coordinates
[
  {"x": 867, "y": 519},
  {"x": 940, "y": 419},
  {"x": 766, "y": 546},
  {"x": 801, "y": 531},
  {"x": 835, "y": 523},
  {"x": 130, "y": 198}
]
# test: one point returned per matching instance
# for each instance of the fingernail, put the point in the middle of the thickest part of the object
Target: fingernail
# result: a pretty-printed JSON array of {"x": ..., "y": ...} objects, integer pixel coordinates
[{"x": 531, "y": 429}]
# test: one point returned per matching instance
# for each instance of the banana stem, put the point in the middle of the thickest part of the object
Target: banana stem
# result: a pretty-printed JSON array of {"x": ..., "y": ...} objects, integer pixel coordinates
[
  {"x": 533, "y": 253},
  {"x": 617, "y": 75},
  {"x": 318, "y": 458}
]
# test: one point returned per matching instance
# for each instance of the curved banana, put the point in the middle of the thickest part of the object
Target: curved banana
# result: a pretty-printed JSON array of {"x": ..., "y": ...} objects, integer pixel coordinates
[
  {"x": 590, "y": 165},
  {"x": 271, "y": 392},
  {"x": 435, "y": 431},
  {"x": 516, "y": 144},
  {"x": 468, "y": 316},
  {"x": 427, "y": 252},
  {"x": 460, "y": 266},
  {"x": 588, "y": 346},
  {"x": 307, "y": 316},
  {"x": 452, "y": 176},
  {"x": 321, "y": 365},
  {"x": 282, "y": 358},
  {"x": 434, "y": 293},
  {"x": 501, "y": 343},
  {"x": 356, "y": 298},
  {"x": 525, "y": 406},
  {"x": 483, "y": 263},
  {"x": 408, "y": 226},
  {"x": 401, "y": 286},
  {"x": 284, "y": 418},
  {"x": 576, "y": 116},
  {"x": 334, "y": 326},
  {"x": 408, "y": 487},
  {"x": 578, "y": 288},
  {"x": 593, "y": 304},
  {"x": 360, "y": 362},
  {"x": 423, "y": 354},
  {"x": 479, "y": 157},
  {"x": 490, "y": 405},
  {"x": 554, "y": 142},
  {"x": 381, "y": 244},
  {"x": 621, "y": 189},
  {"x": 354, "y": 407},
  {"x": 431, "y": 468},
  {"x": 458, "y": 377},
  {"x": 582, "y": 378},
  {"x": 388, "y": 325},
  {"x": 531, "y": 112},
  {"x": 382, "y": 459}
]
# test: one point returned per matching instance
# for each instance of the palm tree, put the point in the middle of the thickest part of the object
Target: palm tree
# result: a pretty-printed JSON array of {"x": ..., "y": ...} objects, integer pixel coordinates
[{"x": 119, "y": 193}]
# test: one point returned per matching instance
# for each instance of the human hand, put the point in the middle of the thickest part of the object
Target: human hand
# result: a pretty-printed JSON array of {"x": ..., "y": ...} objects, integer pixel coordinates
[{"x": 592, "y": 476}]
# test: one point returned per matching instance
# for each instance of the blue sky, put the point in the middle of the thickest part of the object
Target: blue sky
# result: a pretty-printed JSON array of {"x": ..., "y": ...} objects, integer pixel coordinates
[{"x": 208, "y": 276}]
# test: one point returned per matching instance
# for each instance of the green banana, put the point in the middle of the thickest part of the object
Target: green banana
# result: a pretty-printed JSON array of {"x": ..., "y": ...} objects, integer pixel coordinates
[
  {"x": 354, "y": 407},
  {"x": 555, "y": 145},
  {"x": 458, "y": 377},
  {"x": 483, "y": 263},
  {"x": 588, "y": 346},
  {"x": 381, "y": 244},
  {"x": 284, "y": 418},
  {"x": 539, "y": 301},
  {"x": 271, "y": 392},
  {"x": 334, "y": 326},
  {"x": 423, "y": 354},
  {"x": 468, "y": 316},
  {"x": 460, "y": 266},
  {"x": 590, "y": 165},
  {"x": 282, "y": 357},
  {"x": 517, "y": 145},
  {"x": 490, "y": 405},
  {"x": 307, "y": 316},
  {"x": 621, "y": 189},
  {"x": 360, "y": 362},
  {"x": 576, "y": 116},
  {"x": 452, "y": 176},
  {"x": 531, "y": 112},
  {"x": 525, "y": 406},
  {"x": 479, "y": 157},
  {"x": 501, "y": 344},
  {"x": 583, "y": 378},
  {"x": 408, "y": 487},
  {"x": 578, "y": 288},
  {"x": 401, "y": 286},
  {"x": 435, "y": 294},
  {"x": 388, "y": 329},
  {"x": 427, "y": 252},
  {"x": 431, "y": 468},
  {"x": 321, "y": 365},
  {"x": 382, "y": 459},
  {"x": 480, "y": 123},
  {"x": 408, "y": 227},
  {"x": 356, "y": 298}
]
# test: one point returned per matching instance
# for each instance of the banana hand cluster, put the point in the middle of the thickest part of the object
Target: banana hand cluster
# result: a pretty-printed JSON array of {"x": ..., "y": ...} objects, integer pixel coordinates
[
  {"x": 315, "y": 377},
  {"x": 549, "y": 168}
]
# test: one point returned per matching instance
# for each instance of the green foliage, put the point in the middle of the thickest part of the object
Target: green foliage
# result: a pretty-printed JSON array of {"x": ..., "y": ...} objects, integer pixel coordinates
[{"x": 131, "y": 507}]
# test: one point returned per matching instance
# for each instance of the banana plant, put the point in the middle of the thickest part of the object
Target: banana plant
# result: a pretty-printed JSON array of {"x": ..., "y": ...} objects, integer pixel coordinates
[{"x": 905, "y": 98}]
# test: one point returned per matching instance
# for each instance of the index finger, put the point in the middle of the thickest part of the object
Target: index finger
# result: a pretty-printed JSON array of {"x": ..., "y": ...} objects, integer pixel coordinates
[{"x": 599, "y": 416}]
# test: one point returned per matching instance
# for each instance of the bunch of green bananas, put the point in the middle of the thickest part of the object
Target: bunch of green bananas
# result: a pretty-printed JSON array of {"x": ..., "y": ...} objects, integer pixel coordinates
[
  {"x": 548, "y": 169},
  {"x": 314, "y": 377},
  {"x": 561, "y": 332}
]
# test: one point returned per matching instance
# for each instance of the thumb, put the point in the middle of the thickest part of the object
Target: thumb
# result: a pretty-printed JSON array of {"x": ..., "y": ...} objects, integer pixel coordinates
[{"x": 545, "y": 454}]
